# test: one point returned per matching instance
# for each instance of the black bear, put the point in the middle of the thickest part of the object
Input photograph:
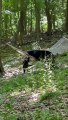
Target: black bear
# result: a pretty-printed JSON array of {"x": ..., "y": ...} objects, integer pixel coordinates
[
  {"x": 37, "y": 54},
  {"x": 25, "y": 63}
]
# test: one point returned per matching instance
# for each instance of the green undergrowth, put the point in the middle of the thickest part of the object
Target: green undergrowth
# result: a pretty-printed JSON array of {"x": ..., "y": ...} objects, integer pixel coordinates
[
  {"x": 51, "y": 85},
  {"x": 50, "y": 95},
  {"x": 37, "y": 115}
]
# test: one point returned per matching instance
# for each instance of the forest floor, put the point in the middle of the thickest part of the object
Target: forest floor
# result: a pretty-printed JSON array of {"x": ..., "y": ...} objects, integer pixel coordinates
[{"x": 37, "y": 95}]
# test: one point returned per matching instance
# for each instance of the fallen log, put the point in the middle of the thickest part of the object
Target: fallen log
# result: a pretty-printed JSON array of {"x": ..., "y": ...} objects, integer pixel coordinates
[{"x": 16, "y": 49}]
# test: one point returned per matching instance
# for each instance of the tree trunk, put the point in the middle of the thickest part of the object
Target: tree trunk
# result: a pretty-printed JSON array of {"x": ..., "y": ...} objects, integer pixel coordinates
[
  {"x": 1, "y": 67},
  {"x": 53, "y": 21},
  {"x": 21, "y": 28},
  {"x": 66, "y": 17},
  {"x": 49, "y": 17},
  {"x": 6, "y": 26},
  {"x": 31, "y": 18},
  {"x": 0, "y": 17},
  {"x": 37, "y": 14}
]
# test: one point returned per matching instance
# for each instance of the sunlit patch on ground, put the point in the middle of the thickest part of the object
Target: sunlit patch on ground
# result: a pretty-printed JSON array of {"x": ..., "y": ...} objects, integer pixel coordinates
[
  {"x": 34, "y": 97},
  {"x": 12, "y": 71}
]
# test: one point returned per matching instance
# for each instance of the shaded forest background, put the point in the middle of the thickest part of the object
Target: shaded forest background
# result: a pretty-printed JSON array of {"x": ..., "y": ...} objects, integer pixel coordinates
[{"x": 32, "y": 18}]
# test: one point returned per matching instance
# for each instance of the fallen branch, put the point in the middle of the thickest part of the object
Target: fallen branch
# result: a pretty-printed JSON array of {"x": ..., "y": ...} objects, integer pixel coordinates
[
  {"x": 20, "y": 51},
  {"x": 17, "y": 50}
]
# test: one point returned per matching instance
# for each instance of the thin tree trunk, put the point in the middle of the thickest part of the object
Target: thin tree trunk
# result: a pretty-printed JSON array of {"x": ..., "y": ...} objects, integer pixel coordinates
[
  {"x": 53, "y": 18},
  {"x": 6, "y": 26},
  {"x": 31, "y": 18},
  {"x": 21, "y": 28},
  {"x": 37, "y": 14},
  {"x": 0, "y": 17},
  {"x": 49, "y": 17},
  {"x": 66, "y": 16},
  {"x": 1, "y": 67}
]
